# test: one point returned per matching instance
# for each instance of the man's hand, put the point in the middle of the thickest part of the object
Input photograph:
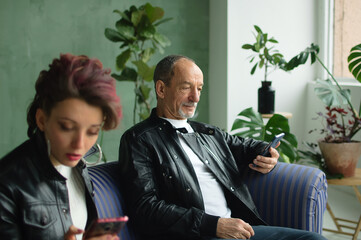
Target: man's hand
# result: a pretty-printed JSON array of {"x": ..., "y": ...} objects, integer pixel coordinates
[
  {"x": 234, "y": 228},
  {"x": 266, "y": 164}
]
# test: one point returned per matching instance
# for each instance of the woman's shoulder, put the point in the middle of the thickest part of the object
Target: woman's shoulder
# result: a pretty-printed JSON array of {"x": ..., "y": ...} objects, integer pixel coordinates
[{"x": 15, "y": 159}]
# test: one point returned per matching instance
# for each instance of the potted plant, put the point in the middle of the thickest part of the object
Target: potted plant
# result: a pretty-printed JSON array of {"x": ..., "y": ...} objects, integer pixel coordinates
[
  {"x": 341, "y": 120},
  {"x": 136, "y": 31},
  {"x": 266, "y": 56},
  {"x": 250, "y": 124}
]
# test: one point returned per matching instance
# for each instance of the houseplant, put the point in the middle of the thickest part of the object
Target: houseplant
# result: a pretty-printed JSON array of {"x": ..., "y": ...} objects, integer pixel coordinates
[
  {"x": 250, "y": 124},
  {"x": 342, "y": 120},
  {"x": 266, "y": 56},
  {"x": 136, "y": 31}
]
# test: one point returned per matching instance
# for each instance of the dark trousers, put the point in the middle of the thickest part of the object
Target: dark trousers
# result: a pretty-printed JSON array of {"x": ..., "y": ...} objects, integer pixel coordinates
[{"x": 280, "y": 233}]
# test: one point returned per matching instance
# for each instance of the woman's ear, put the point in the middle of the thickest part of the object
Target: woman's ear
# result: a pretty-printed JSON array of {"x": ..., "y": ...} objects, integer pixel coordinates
[
  {"x": 159, "y": 88},
  {"x": 40, "y": 119}
]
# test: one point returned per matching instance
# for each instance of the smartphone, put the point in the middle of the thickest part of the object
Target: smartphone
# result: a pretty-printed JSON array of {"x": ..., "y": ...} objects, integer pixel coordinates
[
  {"x": 276, "y": 139},
  {"x": 103, "y": 226}
]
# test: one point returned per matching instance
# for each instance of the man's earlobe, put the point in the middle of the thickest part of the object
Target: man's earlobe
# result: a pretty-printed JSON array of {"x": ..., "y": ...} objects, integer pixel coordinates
[
  {"x": 40, "y": 119},
  {"x": 159, "y": 88}
]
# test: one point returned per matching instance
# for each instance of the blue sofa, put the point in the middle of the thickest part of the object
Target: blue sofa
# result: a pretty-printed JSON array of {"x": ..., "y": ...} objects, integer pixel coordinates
[{"x": 290, "y": 195}]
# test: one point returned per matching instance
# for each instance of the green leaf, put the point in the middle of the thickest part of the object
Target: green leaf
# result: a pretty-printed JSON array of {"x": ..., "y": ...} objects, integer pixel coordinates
[
  {"x": 113, "y": 35},
  {"x": 144, "y": 70},
  {"x": 126, "y": 31},
  {"x": 161, "y": 39},
  {"x": 354, "y": 62},
  {"x": 265, "y": 37},
  {"x": 249, "y": 124},
  {"x": 247, "y": 46},
  {"x": 261, "y": 63},
  {"x": 123, "y": 15},
  {"x": 272, "y": 40},
  {"x": 153, "y": 13},
  {"x": 254, "y": 69},
  {"x": 128, "y": 74},
  {"x": 330, "y": 95},
  {"x": 146, "y": 29},
  {"x": 122, "y": 59},
  {"x": 279, "y": 122},
  {"x": 162, "y": 21},
  {"x": 137, "y": 17},
  {"x": 145, "y": 90},
  {"x": 144, "y": 113},
  {"x": 257, "y": 29},
  {"x": 147, "y": 53}
]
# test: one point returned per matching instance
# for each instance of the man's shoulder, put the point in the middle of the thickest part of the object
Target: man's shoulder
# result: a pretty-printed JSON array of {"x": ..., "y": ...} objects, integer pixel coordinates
[{"x": 142, "y": 127}]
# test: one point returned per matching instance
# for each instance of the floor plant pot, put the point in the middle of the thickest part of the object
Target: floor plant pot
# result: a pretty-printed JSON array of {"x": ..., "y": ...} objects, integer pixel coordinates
[
  {"x": 266, "y": 98},
  {"x": 341, "y": 157}
]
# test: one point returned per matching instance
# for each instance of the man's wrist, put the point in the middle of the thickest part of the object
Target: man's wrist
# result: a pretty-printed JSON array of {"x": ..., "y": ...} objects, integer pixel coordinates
[{"x": 209, "y": 225}]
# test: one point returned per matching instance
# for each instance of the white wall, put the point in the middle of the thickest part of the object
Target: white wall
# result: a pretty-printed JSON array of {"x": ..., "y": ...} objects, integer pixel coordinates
[{"x": 294, "y": 25}]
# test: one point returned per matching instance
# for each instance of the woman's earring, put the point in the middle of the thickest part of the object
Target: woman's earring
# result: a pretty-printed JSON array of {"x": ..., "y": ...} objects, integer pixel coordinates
[{"x": 99, "y": 158}]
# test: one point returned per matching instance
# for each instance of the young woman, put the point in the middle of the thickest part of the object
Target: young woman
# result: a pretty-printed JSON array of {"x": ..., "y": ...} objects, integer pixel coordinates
[{"x": 45, "y": 189}]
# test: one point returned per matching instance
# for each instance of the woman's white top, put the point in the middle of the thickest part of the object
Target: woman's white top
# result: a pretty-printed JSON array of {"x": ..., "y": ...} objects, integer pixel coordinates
[{"x": 76, "y": 193}]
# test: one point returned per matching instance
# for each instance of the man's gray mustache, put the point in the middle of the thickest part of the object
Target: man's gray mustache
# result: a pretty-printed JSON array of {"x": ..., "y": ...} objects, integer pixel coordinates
[{"x": 192, "y": 104}]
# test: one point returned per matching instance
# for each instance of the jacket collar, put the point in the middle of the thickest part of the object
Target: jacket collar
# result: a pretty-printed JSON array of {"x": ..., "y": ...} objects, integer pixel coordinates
[
  {"x": 42, "y": 160},
  {"x": 197, "y": 127}
]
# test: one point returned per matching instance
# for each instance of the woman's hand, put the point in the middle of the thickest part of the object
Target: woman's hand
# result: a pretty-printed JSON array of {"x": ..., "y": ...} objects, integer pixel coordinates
[{"x": 73, "y": 231}]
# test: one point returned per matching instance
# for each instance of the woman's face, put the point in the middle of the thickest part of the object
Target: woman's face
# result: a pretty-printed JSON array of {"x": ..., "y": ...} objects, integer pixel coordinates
[{"x": 72, "y": 129}]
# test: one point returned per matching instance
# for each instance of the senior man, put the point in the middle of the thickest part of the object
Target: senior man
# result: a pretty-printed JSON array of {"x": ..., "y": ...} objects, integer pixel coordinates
[{"x": 181, "y": 178}]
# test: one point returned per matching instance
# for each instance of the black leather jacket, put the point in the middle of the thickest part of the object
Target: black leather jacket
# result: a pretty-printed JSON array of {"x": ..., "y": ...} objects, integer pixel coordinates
[
  {"x": 161, "y": 190},
  {"x": 34, "y": 201}
]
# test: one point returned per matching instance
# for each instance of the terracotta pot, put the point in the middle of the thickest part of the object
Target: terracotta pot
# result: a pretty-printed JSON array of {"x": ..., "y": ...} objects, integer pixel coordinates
[{"x": 341, "y": 157}]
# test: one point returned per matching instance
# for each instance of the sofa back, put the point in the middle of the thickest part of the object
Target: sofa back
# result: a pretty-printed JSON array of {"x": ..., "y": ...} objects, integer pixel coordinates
[{"x": 108, "y": 200}]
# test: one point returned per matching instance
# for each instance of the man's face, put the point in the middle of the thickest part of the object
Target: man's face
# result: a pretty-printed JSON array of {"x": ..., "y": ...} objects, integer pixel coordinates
[{"x": 179, "y": 99}]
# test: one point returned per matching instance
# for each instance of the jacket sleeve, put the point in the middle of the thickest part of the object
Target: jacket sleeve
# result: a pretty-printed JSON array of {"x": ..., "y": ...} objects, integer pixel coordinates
[
  {"x": 244, "y": 150},
  {"x": 150, "y": 214},
  {"x": 9, "y": 226}
]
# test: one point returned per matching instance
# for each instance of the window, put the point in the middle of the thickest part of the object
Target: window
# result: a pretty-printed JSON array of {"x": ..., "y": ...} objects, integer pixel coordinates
[{"x": 346, "y": 34}]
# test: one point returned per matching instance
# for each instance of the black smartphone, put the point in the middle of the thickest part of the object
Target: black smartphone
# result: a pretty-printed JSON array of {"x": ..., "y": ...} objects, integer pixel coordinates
[
  {"x": 103, "y": 226},
  {"x": 276, "y": 139}
]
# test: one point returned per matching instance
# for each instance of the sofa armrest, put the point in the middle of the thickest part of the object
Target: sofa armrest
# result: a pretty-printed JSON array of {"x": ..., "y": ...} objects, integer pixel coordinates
[
  {"x": 108, "y": 199},
  {"x": 290, "y": 195}
]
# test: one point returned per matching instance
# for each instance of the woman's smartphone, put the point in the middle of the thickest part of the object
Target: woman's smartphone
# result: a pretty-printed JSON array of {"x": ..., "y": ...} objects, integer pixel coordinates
[{"x": 104, "y": 226}]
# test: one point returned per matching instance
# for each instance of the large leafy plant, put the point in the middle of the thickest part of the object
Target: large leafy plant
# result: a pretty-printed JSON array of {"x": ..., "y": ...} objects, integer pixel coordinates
[
  {"x": 266, "y": 56},
  {"x": 338, "y": 99},
  {"x": 136, "y": 31},
  {"x": 249, "y": 124}
]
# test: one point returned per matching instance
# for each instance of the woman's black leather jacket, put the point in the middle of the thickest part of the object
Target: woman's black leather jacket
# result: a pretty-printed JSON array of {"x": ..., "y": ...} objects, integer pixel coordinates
[
  {"x": 162, "y": 193},
  {"x": 34, "y": 201}
]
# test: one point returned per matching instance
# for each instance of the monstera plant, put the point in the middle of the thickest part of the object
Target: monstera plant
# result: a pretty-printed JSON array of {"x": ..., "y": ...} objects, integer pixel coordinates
[
  {"x": 136, "y": 31},
  {"x": 249, "y": 124}
]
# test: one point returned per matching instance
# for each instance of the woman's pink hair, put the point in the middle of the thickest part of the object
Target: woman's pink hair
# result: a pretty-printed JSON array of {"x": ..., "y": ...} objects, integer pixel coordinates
[{"x": 79, "y": 77}]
